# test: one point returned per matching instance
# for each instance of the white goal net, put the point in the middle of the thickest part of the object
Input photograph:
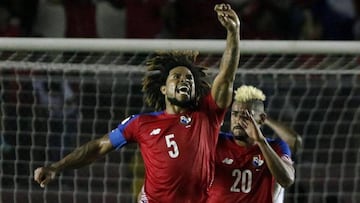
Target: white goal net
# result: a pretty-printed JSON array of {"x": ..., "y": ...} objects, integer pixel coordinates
[{"x": 56, "y": 94}]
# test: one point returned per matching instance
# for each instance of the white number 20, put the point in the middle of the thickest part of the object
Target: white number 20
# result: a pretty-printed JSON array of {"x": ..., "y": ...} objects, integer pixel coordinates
[
  {"x": 170, "y": 143},
  {"x": 243, "y": 180}
]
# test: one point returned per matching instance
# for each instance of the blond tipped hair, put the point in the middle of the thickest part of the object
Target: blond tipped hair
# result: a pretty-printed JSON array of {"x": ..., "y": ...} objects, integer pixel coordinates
[{"x": 246, "y": 93}]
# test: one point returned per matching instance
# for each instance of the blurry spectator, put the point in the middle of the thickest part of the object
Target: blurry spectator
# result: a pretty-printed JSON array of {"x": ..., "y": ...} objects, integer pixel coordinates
[
  {"x": 58, "y": 105},
  {"x": 9, "y": 25},
  {"x": 311, "y": 30},
  {"x": 50, "y": 20},
  {"x": 269, "y": 19},
  {"x": 143, "y": 18},
  {"x": 21, "y": 16},
  {"x": 110, "y": 20},
  {"x": 77, "y": 17},
  {"x": 335, "y": 18},
  {"x": 4, "y": 146},
  {"x": 16, "y": 116},
  {"x": 80, "y": 18},
  {"x": 26, "y": 10},
  {"x": 356, "y": 27},
  {"x": 194, "y": 19}
]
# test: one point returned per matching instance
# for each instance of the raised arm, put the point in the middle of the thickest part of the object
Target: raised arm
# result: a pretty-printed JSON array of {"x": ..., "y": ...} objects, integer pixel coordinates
[
  {"x": 222, "y": 87},
  {"x": 80, "y": 157},
  {"x": 290, "y": 136},
  {"x": 282, "y": 170}
]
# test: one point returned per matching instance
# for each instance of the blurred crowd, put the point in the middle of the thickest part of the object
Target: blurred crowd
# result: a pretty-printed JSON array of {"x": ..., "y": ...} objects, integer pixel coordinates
[{"x": 180, "y": 19}]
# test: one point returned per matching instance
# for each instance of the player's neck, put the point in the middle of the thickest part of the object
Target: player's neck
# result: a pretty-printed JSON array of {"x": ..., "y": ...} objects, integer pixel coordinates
[
  {"x": 246, "y": 143},
  {"x": 173, "y": 109}
]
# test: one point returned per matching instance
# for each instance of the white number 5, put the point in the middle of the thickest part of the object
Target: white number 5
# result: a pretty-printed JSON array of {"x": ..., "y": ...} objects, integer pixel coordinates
[{"x": 170, "y": 143}]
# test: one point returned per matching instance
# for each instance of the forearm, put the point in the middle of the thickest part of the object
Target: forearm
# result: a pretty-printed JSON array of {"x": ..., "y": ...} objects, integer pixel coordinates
[
  {"x": 283, "y": 173},
  {"x": 81, "y": 156},
  {"x": 287, "y": 134},
  {"x": 223, "y": 84},
  {"x": 231, "y": 56},
  {"x": 222, "y": 88}
]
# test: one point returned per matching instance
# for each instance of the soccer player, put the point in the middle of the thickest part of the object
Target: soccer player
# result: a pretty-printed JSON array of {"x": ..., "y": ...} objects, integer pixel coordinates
[
  {"x": 292, "y": 138},
  {"x": 248, "y": 165},
  {"x": 178, "y": 143}
]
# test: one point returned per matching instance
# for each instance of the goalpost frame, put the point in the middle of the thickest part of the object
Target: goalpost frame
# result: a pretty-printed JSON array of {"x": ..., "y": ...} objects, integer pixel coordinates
[{"x": 202, "y": 45}]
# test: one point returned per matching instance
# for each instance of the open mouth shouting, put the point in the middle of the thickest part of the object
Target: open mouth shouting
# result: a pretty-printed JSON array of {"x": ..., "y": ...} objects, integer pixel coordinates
[{"x": 183, "y": 90}]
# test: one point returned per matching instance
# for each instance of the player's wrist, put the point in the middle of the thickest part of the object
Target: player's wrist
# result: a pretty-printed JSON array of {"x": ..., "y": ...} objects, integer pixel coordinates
[
  {"x": 261, "y": 141},
  {"x": 55, "y": 168}
]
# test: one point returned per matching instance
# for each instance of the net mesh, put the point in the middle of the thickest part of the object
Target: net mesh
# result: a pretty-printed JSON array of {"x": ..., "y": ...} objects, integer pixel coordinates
[{"x": 52, "y": 102}]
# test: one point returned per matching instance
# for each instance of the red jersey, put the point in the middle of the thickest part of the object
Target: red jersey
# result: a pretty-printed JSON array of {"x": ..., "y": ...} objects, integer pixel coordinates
[
  {"x": 178, "y": 151},
  {"x": 241, "y": 174}
]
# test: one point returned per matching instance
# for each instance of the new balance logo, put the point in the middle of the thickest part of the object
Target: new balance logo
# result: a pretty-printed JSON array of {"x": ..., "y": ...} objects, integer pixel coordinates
[
  {"x": 228, "y": 161},
  {"x": 155, "y": 131}
]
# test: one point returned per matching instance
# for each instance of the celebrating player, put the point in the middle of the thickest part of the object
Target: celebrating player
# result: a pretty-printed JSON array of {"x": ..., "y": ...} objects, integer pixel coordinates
[
  {"x": 248, "y": 165},
  {"x": 177, "y": 143},
  {"x": 292, "y": 138}
]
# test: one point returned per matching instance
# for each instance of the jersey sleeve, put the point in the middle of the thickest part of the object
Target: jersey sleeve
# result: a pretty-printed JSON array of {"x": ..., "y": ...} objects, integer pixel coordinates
[
  {"x": 215, "y": 113},
  {"x": 282, "y": 149},
  {"x": 124, "y": 133}
]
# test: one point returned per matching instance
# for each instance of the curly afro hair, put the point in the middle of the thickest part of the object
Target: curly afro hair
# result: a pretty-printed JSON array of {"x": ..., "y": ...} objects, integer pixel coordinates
[{"x": 158, "y": 70}]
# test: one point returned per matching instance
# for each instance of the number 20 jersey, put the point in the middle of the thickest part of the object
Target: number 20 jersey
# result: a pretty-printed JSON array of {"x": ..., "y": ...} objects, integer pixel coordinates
[
  {"x": 241, "y": 173},
  {"x": 178, "y": 151}
]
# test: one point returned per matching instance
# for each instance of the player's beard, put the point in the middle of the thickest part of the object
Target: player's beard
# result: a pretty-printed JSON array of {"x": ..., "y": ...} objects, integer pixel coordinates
[
  {"x": 242, "y": 136},
  {"x": 190, "y": 103},
  {"x": 182, "y": 104}
]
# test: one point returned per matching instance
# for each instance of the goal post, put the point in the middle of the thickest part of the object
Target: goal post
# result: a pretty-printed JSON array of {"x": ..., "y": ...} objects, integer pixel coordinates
[
  {"x": 58, "y": 93},
  {"x": 202, "y": 45}
]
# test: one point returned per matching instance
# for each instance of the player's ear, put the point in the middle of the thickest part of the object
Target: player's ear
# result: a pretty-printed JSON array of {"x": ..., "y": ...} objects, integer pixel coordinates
[{"x": 163, "y": 89}]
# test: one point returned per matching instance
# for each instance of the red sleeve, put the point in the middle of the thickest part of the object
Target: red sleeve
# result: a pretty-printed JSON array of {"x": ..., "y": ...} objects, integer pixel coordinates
[{"x": 216, "y": 114}]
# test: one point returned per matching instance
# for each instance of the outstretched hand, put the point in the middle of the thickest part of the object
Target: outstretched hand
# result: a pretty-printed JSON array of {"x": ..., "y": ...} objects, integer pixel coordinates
[
  {"x": 227, "y": 16},
  {"x": 44, "y": 175}
]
